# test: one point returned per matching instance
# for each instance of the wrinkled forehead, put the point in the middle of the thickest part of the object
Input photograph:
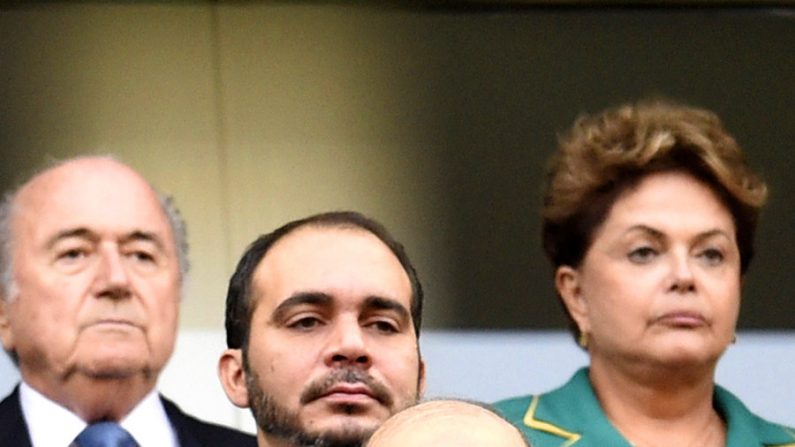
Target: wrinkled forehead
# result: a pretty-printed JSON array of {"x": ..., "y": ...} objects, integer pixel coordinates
[{"x": 101, "y": 196}]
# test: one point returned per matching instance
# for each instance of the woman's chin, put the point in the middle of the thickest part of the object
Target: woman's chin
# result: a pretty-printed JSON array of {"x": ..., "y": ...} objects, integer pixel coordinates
[{"x": 685, "y": 354}]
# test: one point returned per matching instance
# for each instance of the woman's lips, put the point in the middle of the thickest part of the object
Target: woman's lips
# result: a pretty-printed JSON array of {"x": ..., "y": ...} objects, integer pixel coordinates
[{"x": 683, "y": 319}]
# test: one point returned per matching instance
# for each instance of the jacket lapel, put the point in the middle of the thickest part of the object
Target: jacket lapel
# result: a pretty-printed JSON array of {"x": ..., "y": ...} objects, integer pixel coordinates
[
  {"x": 179, "y": 423},
  {"x": 13, "y": 430},
  {"x": 745, "y": 428},
  {"x": 573, "y": 414}
]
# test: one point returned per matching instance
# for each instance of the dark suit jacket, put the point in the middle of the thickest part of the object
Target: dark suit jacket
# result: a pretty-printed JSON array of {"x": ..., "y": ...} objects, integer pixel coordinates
[{"x": 190, "y": 431}]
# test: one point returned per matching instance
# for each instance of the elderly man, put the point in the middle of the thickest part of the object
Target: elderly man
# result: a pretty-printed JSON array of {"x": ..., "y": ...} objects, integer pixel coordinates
[
  {"x": 92, "y": 264},
  {"x": 447, "y": 423},
  {"x": 322, "y": 321}
]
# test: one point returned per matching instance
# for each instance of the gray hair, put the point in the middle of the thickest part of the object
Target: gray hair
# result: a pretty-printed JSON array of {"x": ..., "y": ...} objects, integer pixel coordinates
[
  {"x": 178, "y": 227},
  {"x": 8, "y": 204},
  {"x": 6, "y": 265}
]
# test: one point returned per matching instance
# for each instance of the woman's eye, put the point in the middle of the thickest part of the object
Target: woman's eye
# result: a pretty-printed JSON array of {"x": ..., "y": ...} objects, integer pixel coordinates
[
  {"x": 712, "y": 256},
  {"x": 642, "y": 255}
]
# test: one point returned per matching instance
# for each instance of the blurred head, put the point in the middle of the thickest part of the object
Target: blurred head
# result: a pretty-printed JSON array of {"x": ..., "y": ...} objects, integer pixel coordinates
[
  {"x": 606, "y": 156},
  {"x": 322, "y": 323},
  {"x": 92, "y": 261},
  {"x": 447, "y": 423}
]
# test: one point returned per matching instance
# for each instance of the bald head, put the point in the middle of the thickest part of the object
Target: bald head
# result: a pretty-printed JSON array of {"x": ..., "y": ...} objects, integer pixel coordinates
[
  {"x": 66, "y": 179},
  {"x": 447, "y": 423}
]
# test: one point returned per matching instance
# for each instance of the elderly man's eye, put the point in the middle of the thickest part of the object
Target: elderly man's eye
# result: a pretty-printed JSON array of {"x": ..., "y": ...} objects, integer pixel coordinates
[
  {"x": 142, "y": 256},
  {"x": 72, "y": 254},
  {"x": 75, "y": 253}
]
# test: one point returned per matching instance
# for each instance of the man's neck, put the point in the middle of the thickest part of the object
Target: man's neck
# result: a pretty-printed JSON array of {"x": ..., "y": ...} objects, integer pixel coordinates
[
  {"x": 94, "y": 399},
  {"x": 264, "y": 440}
]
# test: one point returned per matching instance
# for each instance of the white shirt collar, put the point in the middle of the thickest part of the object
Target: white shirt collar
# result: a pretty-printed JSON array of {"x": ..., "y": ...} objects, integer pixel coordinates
[
  {"x": 54, "y": 425},
  {"x": 148, "y": 423}
]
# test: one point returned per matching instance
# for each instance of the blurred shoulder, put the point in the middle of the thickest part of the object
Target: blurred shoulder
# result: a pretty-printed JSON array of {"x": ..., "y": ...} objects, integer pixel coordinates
[
  {"x": 747, "y": 428},
  {"x": 193, "y": 432}
]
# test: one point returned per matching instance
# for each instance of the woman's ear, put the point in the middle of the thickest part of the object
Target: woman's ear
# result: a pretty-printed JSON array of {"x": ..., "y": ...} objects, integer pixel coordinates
[
  {"x": 233, "y": 377},
  {"x": 568, "y": 282}
]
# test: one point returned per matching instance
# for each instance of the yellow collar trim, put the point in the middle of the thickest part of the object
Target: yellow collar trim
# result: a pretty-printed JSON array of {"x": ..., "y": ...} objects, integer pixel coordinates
[
  {"x": 789, "y": 444},
  {"x": 532, "y": 422}
]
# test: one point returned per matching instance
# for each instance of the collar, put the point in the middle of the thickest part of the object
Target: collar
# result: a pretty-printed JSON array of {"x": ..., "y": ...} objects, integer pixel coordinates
[
  {"x": 49, "y": 423},
  {"x": 746, "y": 428},
  {"x": 149, "y": 424},
  {"x": 573, "y": 412}
]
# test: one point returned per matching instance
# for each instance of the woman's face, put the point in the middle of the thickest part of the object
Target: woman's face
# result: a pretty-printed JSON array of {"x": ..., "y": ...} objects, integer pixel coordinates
[{"x": 660, "y": 282}]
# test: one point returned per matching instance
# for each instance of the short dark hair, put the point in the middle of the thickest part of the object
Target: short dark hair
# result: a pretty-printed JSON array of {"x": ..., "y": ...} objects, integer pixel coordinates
[{"x": 239, "y": 302}]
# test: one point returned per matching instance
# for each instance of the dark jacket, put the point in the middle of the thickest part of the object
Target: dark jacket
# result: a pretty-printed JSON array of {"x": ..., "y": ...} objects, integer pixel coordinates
[{"x": 190, "y": 431}]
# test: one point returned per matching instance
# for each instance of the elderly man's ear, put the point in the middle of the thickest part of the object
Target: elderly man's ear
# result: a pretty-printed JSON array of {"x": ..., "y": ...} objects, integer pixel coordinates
[
  {"x": 6, "y": 335},
  {"x": 233, "y": 377}
]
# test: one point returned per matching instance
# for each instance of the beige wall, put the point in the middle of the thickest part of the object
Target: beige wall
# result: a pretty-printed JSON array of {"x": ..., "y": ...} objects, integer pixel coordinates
[
  {"x": 435, "y": 120},
  {"x": 249, "y": 116}
]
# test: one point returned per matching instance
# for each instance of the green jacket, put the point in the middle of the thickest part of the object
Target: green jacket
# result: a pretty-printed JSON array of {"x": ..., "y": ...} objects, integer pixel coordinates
[{"x": 571, "y": 416}]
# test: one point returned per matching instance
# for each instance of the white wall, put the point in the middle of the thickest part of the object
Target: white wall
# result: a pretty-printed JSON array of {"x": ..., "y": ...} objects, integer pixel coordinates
[{"x": 486, "y": 366}]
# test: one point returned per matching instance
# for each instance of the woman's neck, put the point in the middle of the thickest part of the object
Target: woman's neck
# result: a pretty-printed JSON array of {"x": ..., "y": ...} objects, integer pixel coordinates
[{"x": 657, "y": 406}]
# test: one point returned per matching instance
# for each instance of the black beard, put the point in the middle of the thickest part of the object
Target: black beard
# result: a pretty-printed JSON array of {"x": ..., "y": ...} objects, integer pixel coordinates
[{"x": 276, "y": 420}]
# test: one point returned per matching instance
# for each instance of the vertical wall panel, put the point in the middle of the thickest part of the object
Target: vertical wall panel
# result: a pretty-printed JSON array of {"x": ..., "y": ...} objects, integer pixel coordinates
[
  {"x": 322, "y": 113},
  {"x": 130, "y": 80},
  {"x": 436, "y": 121}
]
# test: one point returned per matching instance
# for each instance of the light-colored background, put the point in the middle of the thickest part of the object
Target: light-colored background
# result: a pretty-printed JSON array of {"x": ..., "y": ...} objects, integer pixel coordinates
[{"x": 486, "y": 366}]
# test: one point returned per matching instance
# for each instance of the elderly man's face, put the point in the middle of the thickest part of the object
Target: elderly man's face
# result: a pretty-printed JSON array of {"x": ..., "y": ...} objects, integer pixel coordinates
[
  {"x": 96, "y": 275},
  {"x": 332, "y": 349}
]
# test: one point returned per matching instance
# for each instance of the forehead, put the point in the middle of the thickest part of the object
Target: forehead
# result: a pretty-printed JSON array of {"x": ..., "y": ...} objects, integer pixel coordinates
[
  {"x": 100, "y": 196},
  {"x": 348, "y": 264},
  {"x": 674, "y": 199}
]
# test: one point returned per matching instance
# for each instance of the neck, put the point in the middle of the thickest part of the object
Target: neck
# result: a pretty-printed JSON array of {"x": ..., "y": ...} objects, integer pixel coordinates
[
  {"x": 264, "y": 440},
  {"x": 94, "y": 399},
  {"x": 672, "y": 406}
]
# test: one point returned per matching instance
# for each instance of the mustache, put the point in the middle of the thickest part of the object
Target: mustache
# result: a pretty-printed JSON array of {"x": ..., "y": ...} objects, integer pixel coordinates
[{"x": 320, "y": 387}]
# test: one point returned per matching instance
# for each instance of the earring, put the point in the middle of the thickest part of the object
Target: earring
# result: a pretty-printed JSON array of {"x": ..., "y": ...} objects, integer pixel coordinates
[
  {"x": 734, "y": 338},
  {"x": 582, "y": 340}
]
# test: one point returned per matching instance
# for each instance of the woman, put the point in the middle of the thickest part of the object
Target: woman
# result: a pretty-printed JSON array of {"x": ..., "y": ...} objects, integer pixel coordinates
[{"x": 649, "y": 217}]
